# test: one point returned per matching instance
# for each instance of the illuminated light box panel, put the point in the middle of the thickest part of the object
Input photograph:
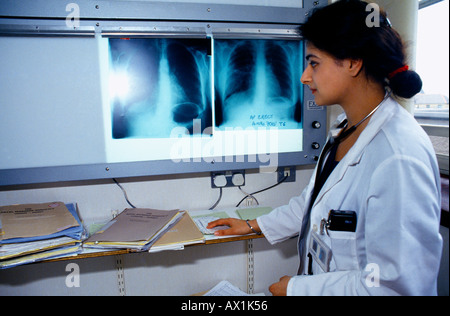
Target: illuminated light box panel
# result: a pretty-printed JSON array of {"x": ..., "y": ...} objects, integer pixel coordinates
[{"x": 93, "y": 108}]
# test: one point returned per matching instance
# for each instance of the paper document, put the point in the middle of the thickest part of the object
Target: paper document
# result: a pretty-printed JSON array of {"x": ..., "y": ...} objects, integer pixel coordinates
[
  {"x": 36, "y": 232},
  {"x": 49, "y": 254},
  {"x": 225, "y": 288},
  {"x": 202, "y": 223},
  {"x": 31, "y": 220},
  {"x": 135, "y": 228},
  {"x": 185, "y": 232},
  {"x": 8, "y": 251},
  {"x": 253, "y": 213},
  {"x": 203, "y": 218}
]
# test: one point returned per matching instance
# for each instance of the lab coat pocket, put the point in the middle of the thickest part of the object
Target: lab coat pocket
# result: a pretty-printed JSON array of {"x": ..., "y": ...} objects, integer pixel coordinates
[{"x": 343, "y": 246}]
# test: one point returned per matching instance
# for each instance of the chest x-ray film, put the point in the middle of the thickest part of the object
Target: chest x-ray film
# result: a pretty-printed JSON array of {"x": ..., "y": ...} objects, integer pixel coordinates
[
  {"x": 156, "y": 85},
  {"x": 257, "y": 83},
  {"x": 184, "y": 99}
]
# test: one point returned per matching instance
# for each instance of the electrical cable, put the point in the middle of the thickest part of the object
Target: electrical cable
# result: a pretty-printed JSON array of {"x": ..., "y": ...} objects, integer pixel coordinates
[
  {"x": 215, "y": 204},
  {"x": 124, "y": 193},
  {"x": 268, "y": 188}
]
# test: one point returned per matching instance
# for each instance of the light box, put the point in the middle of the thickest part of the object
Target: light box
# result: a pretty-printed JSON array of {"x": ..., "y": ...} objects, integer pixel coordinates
[{"x": 136, "y": 104}]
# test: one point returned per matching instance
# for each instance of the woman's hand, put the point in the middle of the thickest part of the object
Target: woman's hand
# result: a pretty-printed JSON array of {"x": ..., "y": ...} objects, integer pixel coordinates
[
  {"x": 237, "y": 226},
  {"x": 280, "y": 288}
]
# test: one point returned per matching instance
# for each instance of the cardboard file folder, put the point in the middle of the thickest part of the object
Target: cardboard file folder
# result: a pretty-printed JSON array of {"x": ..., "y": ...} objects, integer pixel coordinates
[
  {"x": 35, "y": 232},
  {"x": 183, "y": 233},
  {"x": 32, "y": 222},
  {"x": 136, "y": 228}
]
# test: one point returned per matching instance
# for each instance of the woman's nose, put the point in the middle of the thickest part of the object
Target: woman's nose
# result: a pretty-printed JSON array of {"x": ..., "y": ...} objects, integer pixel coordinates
[{"x": 306, "y": 76}]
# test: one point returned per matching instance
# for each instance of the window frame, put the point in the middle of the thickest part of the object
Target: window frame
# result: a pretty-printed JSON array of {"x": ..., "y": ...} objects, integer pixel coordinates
[{"x": 431, "y": 129}]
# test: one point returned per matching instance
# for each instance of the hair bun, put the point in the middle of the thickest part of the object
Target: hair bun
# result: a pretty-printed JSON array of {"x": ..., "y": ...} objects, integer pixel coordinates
[{"x": 406, "y": 84}]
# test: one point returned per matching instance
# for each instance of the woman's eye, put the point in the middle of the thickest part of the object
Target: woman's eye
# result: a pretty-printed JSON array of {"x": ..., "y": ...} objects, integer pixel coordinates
[{"x": 313, "y": 64}]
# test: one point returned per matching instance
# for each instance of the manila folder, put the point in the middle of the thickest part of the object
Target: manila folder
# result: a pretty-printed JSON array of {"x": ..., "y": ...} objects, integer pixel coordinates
[
  {"x": 134, "y": 225},
  {"x": 33, "y": 220}
]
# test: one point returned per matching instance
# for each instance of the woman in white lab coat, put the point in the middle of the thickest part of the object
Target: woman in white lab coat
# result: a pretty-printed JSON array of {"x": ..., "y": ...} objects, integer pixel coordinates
[{"x": 377, "y": 172}]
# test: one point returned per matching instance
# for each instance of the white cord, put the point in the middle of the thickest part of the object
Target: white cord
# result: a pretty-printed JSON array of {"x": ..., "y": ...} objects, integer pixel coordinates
[{"x": 249, "y": 195}]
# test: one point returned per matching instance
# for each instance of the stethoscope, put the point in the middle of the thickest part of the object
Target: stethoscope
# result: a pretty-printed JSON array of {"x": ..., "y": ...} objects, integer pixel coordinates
[{"x": 339, "y": 134}]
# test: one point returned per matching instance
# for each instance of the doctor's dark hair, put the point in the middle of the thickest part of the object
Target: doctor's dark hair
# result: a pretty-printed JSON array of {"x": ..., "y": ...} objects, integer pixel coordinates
[{"x": 341, "y": 30}]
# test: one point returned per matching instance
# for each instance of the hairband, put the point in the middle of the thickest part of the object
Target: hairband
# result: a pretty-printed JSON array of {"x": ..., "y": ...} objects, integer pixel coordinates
[{"x": 397, "y": 71}]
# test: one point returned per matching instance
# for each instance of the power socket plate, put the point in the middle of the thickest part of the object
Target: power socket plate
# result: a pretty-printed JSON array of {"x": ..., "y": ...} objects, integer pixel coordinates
[
  {"x": 229, "y": 177},
  {"x": 281, "y": 174}
]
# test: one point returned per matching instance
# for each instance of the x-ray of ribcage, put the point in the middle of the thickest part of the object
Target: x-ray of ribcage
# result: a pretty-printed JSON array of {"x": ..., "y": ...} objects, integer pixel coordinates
[
  {"x": 257, "y": 83},
  {"x": 157, "y": 85}
]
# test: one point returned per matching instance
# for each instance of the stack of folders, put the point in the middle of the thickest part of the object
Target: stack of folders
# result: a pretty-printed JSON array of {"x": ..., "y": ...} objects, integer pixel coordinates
[
  {"x": 135, "y": 229},
  {"x": 35, "y": 232}
]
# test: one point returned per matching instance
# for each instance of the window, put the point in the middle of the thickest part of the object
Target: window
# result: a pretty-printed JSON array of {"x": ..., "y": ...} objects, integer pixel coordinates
[{"x": 432, "y": 104}]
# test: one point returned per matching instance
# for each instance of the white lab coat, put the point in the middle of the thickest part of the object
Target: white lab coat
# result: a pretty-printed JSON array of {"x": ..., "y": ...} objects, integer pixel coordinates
[{"x": 391, "y": 179}]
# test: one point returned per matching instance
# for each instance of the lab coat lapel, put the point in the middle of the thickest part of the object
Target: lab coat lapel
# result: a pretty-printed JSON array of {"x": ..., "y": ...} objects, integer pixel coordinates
[{"x": 353, "y": 157}]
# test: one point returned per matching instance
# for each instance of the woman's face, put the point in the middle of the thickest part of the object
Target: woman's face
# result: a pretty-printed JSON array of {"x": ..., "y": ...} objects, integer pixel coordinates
[{"x": 325, "y": 76}]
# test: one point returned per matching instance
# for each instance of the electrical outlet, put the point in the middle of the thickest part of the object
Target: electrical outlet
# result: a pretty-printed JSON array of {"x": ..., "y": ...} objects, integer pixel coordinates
[
  {"x": 225, "y": 179},
  {"x": 288, "y": 172}
]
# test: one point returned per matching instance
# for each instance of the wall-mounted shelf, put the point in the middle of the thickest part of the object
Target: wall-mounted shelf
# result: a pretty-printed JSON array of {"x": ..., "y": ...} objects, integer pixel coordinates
[{"x": 90, "y": 254}]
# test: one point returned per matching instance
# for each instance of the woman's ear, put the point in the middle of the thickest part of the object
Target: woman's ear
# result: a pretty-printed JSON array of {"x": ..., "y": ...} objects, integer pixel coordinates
[{"x": 354, "y": 67}]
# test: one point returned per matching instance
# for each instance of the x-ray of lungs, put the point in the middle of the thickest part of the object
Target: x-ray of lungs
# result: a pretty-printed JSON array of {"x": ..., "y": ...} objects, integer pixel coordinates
[
  {"x": 156, "y": 85},
  {"x": 257, "y": 83}
]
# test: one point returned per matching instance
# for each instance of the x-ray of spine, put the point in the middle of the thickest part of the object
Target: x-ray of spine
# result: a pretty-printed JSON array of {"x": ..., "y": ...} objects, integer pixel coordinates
[
  {"x": 157, "y": 85},
  {"x": 257, "y": 83}
]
